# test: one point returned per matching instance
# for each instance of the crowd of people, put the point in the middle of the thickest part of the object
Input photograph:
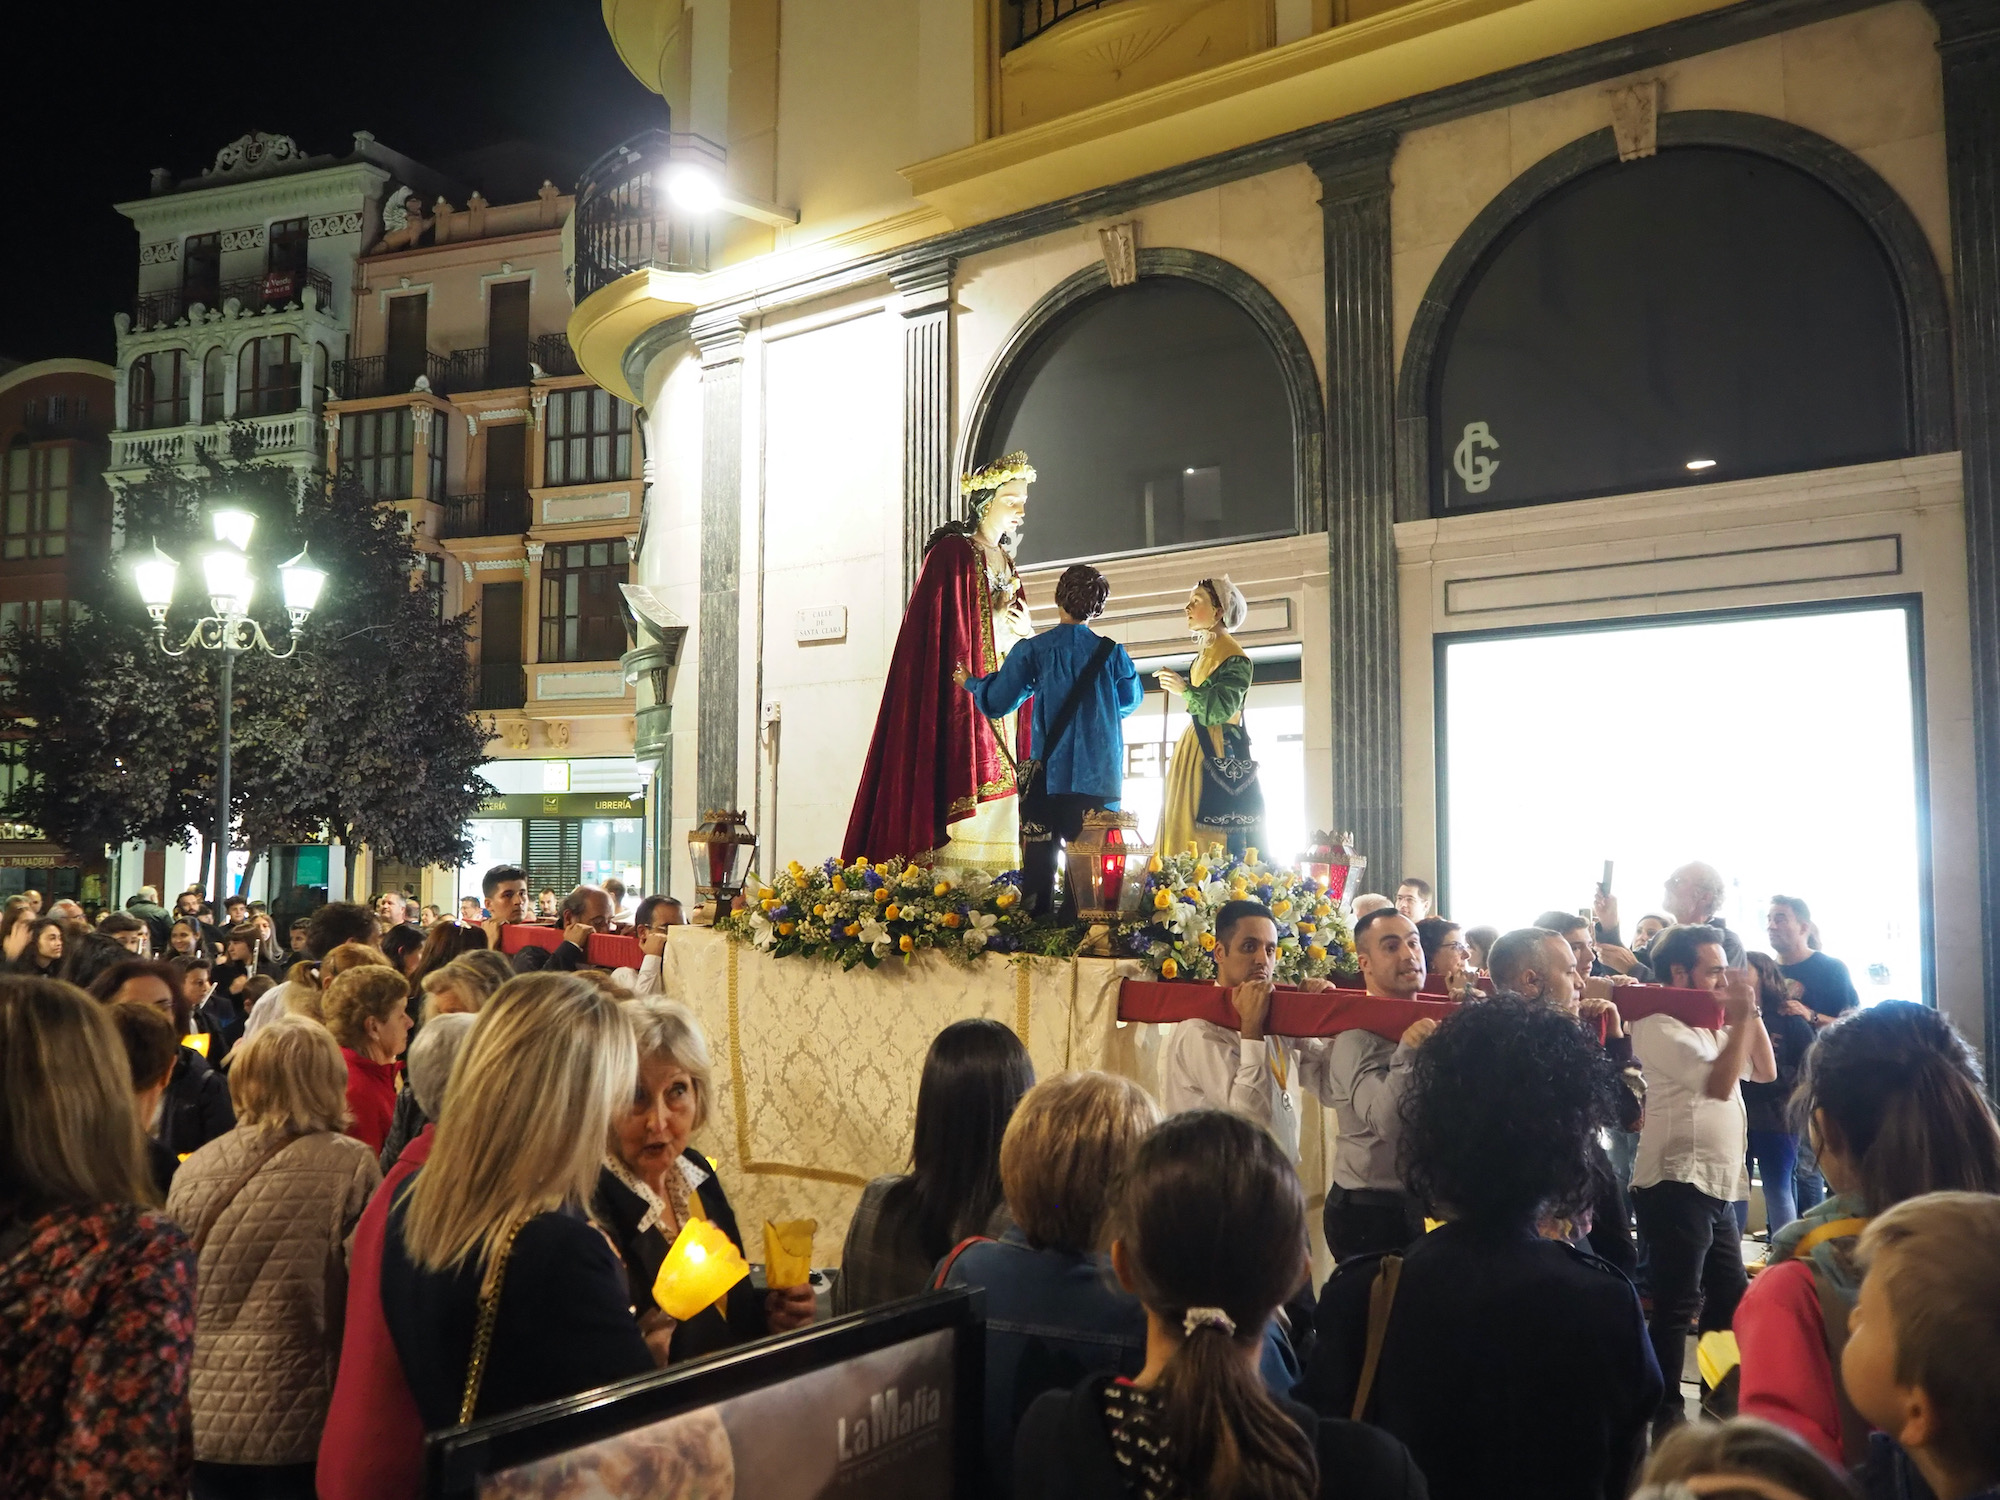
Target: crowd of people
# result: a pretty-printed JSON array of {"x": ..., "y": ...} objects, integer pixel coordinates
[{"x": 269, "y": 1216}]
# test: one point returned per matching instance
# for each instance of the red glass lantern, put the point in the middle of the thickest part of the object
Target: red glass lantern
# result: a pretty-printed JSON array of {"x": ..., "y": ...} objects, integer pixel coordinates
[
  {"x": 1107, "y": 867},
  {"x": 1330, "y": 859},
  {"x": 720, "y": 847}
]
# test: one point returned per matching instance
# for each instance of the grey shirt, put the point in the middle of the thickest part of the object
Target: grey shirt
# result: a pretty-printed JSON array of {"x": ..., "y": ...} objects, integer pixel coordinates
[{"x": 1365, "y": 1079}]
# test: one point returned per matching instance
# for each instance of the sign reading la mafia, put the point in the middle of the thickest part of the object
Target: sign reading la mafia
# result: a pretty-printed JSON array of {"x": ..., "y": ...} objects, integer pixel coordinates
[{"x": 564, "y": 805}]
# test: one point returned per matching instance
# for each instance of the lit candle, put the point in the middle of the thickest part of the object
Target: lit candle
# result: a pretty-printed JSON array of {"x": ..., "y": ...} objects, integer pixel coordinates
[{"x": 699, "y": 1268}]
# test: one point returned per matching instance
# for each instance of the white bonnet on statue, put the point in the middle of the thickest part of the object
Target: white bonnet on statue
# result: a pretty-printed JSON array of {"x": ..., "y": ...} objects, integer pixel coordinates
[{"x": 1235, "y": 608}]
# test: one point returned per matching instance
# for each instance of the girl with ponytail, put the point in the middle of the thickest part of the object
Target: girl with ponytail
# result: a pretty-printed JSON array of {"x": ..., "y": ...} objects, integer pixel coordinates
[
  {"x": 1894, "y": 1104},
  {"x": 1211, "y": 1235}
]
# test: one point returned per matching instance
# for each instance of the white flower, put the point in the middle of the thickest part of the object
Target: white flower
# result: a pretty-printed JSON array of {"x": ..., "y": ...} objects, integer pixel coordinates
[
  {"x": 978, "y": 928},
  {"x": 876, "y": 936},
  {"x": 762, "y": 933}
]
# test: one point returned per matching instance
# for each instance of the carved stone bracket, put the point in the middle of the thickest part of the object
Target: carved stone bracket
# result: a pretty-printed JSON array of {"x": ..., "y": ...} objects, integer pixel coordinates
[
  {"x": 535, "y": 550},
  {"x": 1635, "y": 119},
  {"x": 1119, "y": 244}
]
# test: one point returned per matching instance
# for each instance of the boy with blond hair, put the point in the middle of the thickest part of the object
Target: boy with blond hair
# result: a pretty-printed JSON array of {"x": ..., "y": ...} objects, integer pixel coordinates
[{"x": 1922, "y": 1361}]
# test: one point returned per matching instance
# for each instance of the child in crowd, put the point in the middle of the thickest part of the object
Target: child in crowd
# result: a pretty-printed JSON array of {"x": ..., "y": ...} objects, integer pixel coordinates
[
  {"x": 1743, "y": 1459},
  {"x": 1922, "y": 1362},
  {"x": 1211, "y": 1235}
]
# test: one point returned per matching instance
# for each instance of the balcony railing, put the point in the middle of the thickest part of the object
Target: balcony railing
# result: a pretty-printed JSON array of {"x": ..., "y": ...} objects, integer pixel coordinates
[
  {"x": 495, "y": 513},
  {"x": 502, "y": 684},
  {"x": 486, "y": 369},
  {"x": 1037, "y": 16},
  {"x": 625, "y": 221},
  {"x": 553, "y": 355},
  {"x": 274, "y": 437},
  {"x": 279, "y": 289},
  {"x": 158, "y": 309},
  {"x": 378, "y": 375}
]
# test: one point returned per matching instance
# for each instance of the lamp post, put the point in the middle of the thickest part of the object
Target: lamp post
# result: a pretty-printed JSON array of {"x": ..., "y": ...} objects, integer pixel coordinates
[{"x": 229, "y": 629}]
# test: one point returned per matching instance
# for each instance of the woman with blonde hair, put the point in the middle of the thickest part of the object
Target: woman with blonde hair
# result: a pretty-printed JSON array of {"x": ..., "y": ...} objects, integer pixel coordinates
[
  {"x": 498, "y": 1291},
  {"x": 99, "y": 1324},
  {"x": 305, "y": 989},
  {"x": 652, "y": 1183},
  {"x": 368, "y": 1012},
  {"x": 269, "y": 1207},
  {"x": 456, "y": 989}
]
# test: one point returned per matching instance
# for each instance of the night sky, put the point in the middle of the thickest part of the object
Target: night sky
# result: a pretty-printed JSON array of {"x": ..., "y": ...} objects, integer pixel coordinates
[{"x": 100, "y": 95}]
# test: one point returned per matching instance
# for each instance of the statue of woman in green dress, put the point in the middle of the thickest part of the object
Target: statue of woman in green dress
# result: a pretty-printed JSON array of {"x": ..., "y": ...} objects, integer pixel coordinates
[{"x": 1212, "y": 791}]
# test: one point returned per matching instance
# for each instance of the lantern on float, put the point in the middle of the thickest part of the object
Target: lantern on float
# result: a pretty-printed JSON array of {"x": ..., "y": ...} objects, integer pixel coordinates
[
  {"x": 720, "y": 847},
  {"x": 1107, "y": 867},
  {"x": 1331, "y": 861}
]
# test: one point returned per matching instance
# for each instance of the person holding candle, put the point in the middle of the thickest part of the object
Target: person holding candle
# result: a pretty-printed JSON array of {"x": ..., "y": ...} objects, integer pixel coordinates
[{"x": 652, "y": 1184}]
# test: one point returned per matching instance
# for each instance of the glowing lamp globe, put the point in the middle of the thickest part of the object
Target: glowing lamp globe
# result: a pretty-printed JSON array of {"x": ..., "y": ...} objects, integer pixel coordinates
[
  {"x": 1331, "y": 861},
  {"x": 155, "y": 577},
  {"x": 720, "y": 847},
  {"x": 233, "y": 525},
  {"x": 1107, "y": 867},
  {"x": 302, "y": 582},
  {"x": 226, "y": 571},
  {"x": 700, "y": 1266}
]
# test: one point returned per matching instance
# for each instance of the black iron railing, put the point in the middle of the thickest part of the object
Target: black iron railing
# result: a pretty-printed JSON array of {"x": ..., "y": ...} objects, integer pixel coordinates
[
  {"x": 378, "y": 375},
  {"x": 279, "y": 289},
  {"x": 495, "y": 513},
  {"x": 158, "y": 309},
  {"x": 1033, "y": 17},
  {"x": 625, "y": 221},
  {"x": 489, "y": 369},
  {"x": 553, "y": 355},
  {"x": 502, "y": 684}
]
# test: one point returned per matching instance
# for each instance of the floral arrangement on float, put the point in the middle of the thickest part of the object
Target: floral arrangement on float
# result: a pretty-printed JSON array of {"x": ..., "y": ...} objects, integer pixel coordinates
[
  {"x": 1186, "y": 891},
  {"x": 862, "y": 913}
]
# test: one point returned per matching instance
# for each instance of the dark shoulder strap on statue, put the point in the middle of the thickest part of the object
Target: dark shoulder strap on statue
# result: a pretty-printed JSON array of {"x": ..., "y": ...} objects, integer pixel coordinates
[{"x": 1105, "y": 646}]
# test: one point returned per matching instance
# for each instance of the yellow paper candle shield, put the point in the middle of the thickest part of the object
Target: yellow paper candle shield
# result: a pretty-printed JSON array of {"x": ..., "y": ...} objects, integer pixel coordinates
[
  {"x": 788, "y": 1248},
  {"x": 700, "y": 1267},
  {"x": 196, "y": 1041}
]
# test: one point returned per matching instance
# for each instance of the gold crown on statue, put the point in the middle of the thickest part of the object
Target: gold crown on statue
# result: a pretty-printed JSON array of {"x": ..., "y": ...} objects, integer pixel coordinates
[{"x": 1000, "y": 471}]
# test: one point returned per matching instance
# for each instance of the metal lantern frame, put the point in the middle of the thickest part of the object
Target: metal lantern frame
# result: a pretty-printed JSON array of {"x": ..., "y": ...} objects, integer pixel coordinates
[
  {"x": 1330, "y": 855},
  {"x": 1107, "y": 867},
  {"x": 723, "y": 835}
]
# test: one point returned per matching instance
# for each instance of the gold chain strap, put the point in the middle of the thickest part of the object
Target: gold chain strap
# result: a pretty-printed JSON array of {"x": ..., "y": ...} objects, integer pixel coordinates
[{"x": 489, "y": 1309}]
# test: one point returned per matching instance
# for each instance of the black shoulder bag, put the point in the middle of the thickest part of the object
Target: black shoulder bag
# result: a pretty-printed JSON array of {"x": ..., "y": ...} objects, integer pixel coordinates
[{"x": 1032, "y": 778}]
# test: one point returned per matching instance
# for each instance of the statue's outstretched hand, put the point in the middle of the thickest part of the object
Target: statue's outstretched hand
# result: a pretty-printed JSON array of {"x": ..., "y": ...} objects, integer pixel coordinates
[{"x": 959, "y": 674}]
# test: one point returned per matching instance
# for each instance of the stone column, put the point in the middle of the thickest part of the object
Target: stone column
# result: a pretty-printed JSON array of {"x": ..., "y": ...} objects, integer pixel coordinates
[
  {"x": 930, "y": 495},
  {"x": 1969, "y": 48},
  {"x": 1361, "y": 500},
  {"x": 717, "y": 704}
]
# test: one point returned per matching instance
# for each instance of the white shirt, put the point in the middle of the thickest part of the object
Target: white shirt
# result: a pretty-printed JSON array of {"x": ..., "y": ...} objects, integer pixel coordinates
[
  {"x": 1687, "y": 1136},
  {"x": 1206, "y": 1066},
  {"x": 267, "y": 1008}
]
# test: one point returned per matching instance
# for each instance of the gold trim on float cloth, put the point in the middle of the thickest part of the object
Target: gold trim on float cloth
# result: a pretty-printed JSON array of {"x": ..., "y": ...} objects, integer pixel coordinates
[
  {"x": 1022, "y": 1008},
  {"x": 740, "y": 1096},
  {"x": 990, "y": 791}
]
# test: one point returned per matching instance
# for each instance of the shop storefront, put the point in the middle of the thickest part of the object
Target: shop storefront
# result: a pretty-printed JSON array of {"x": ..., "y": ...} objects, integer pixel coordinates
[{"x": 562, "y": 839}]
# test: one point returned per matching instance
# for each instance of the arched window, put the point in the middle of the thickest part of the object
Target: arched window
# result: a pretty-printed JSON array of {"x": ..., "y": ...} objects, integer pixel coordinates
[
  {"x": 156, "y": 390},
  {"x": 267, "y": 376},
  {"x": 1157, "y": 415},
  {"x": 1707, "y": 313},
  {"x": 214, "y": 372}
]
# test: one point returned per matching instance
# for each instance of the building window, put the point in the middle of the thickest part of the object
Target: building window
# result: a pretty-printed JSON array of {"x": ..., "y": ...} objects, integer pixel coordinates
[
  {"x": 158, "y": 390},
  {"x": 589, "y": 437},
  {"x": 1700, "y": 315},
  {"x": 440, "y": 435},
  {"x": 583, "y": 612},
  {"x": 42, "y": 617},
  {"x": 214, "y": 375},
  {"x": 285, "y": 249},
  {"x": 1159, "y": 416},
  {"x": 434, "y": 576},
  {"x": 35, "y": 519},
  {"x": 201, "y": 270},
  {"x": 380, "y": 446},
  {"x": 267, "y": 376}
]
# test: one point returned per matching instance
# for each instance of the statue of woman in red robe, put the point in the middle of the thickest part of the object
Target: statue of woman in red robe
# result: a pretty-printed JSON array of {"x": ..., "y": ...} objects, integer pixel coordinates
[{"x": 939, "y": 782}]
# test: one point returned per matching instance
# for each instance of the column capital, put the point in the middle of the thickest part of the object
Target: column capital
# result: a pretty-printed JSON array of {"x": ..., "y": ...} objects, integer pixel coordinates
[
  {"x": 924, "y": 285},
  {"x": 719, "y": 336},
  {"x": 1354, "y": 169}
]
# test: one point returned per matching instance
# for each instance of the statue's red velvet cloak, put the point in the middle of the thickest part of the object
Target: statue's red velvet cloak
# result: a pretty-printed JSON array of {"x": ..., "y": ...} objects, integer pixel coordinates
[{"x": 934, "y": 758}]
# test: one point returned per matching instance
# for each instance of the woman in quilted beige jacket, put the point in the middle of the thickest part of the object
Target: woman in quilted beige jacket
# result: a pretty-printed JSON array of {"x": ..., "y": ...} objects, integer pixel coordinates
[{"x": 269, "y": 1207}]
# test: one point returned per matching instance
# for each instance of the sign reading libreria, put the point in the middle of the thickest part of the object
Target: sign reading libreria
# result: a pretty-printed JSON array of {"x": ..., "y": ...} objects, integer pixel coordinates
[
  {"x": 563, "y": 805},
  {"x": 879, "y": 1425}
]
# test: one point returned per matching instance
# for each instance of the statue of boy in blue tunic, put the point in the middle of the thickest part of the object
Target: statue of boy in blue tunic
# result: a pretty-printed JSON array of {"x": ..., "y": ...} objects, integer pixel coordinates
[{"x": 1082, "y": 685}]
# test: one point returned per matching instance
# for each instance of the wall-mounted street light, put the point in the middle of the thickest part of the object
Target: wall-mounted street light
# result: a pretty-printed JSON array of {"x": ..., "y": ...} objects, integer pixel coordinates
[{"x": 225, "y": 570}]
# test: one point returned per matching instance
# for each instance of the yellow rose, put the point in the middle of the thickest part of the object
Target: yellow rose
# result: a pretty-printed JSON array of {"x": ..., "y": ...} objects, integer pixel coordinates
[
  {"x": 906, "y": 943},
  {"x": 1161, "y": 901},
  {"x": 1155, "y": 865},
  {"x": 882, "y": 869},
  {"x": 942, "y": 888},
  {"x": 1168, "y": 968},
  {"x": 1324, "y": 909},
  {"x": 950, "y": 919},
  {"x": 1249, "y": 856},
  {"x": 785, "y": 929},
  {"x": 1005, "y": 899},
  {"x": 860, "y": 861},
  {"x": 881, "y": 894},
  {"x": 1315, "y": 952},
  {"x": 852, "y": 929},
  {"x": 839, "y": 884},
  {"x": 892, "y": 913},
  {"x": 1201, "y": 872},
  {"x": 1281, "y": 908},
  {"x": 819, "y": 910},
  {"x": 1208, "y": 942},
  {"x": 1307, "y": 928}
]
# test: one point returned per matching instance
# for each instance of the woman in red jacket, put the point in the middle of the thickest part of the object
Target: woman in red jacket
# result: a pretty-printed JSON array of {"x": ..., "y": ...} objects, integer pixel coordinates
[
  {"x": 368, "y": 1011},
  {"x": 1891, "y": 1096}
]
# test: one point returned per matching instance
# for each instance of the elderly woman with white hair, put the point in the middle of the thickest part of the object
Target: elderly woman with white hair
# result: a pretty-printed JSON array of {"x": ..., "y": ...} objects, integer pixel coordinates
[
  {"x": 1212, "y": 791},
  {"x": 652, "y": 1182}
]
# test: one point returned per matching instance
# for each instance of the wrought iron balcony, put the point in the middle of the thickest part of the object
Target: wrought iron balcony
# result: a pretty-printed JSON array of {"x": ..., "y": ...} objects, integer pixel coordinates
[
  {"x": 553, "y": 355},
  {"x": 488, "y": 369},
  {"x": 279, "y": 288},
  {"x": 625, "y": 221},
  {"x": 502, "y": 684},
  {"x": 495, "y": 513},
  {"x": 378, "y": 375},
  {"x": 159, "y": 309}
]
